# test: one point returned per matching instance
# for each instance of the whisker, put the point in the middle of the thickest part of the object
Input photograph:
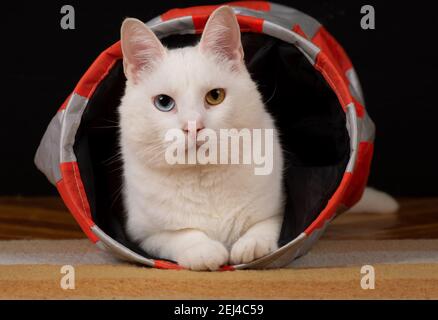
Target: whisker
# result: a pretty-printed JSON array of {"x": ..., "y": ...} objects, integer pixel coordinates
[
  {"x": 104, "y": 127},
  {"x": 118, "y": 169},
  {"x": 273, "y": 94},
  {"x": 111, "y": 121},
  {"x": 114, "y": 158},
  {"x": 116, "y": 195}
]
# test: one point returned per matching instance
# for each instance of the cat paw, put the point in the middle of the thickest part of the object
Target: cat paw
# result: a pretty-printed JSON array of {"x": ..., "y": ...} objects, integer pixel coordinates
[
  {"x": 204, "y": 256},
  {"x": 247, "y": 249}
]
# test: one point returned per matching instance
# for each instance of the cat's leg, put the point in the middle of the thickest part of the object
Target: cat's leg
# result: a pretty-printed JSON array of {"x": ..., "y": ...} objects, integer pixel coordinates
[
  {"x": 191, "y": 248},
  {"x": 259, "y": 240}
]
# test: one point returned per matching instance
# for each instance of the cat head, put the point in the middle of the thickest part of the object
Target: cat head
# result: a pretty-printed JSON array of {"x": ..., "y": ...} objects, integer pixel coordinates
[{"x": 165, "y": 89}]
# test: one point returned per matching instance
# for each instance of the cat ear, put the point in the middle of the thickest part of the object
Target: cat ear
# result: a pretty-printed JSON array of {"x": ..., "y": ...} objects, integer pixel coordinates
[
  {"x": 141, "y": 48},
  {"x": 221, "y": 35}
]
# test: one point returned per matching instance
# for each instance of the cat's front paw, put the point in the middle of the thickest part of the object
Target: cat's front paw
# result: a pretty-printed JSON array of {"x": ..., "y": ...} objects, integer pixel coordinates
[
  {"x": 249, "y": 248},
  {"x": 205, "y": 255}
]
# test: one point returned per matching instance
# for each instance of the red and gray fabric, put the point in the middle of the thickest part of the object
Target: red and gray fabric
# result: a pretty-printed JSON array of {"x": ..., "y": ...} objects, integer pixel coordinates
[{"x": 56, "y": 157}]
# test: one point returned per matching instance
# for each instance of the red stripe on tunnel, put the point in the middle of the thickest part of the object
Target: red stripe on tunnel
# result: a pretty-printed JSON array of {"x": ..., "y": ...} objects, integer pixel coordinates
[
  {"x": 98, "y": 70},
  {"x": 327, "y": 43},
  {"x": 360, "y": 109},
  {"x": 246, "y": 23},
  {"x": 360, "y": 174},
  {"x": 163, "y": 264},
  {"x": 65, "y": 103},
  {"x": 207, "y": 10},
  {"x": 297, "y": 29},
  {"x": 336, "y": 81},
  {"x": 331, "y": 206},
  {"x": 72, "y": 191}
]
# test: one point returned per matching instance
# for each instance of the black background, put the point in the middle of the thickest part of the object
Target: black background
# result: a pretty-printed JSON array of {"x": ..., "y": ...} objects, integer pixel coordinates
[{"x": 396, "y": 63}]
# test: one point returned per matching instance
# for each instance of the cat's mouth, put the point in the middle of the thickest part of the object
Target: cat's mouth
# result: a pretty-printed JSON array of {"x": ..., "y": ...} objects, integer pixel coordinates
[{"x": 195, "y": 139}]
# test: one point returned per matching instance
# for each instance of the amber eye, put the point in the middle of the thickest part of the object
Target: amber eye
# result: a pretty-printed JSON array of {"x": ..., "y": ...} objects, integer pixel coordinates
[{"x": 215, "y": 96}]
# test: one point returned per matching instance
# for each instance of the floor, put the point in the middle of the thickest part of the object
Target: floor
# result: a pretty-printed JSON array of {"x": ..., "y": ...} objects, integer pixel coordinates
[
  {"x": 48, "y": 218},
  {"x": 40, "y": 236}
]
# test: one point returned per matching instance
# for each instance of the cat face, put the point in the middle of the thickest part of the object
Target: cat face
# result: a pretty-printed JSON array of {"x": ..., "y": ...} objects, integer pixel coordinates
[{"x": 165, "y": 89}]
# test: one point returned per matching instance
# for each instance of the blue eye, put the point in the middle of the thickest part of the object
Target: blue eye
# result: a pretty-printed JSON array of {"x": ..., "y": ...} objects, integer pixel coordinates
[{"x": 164, "y": 103}]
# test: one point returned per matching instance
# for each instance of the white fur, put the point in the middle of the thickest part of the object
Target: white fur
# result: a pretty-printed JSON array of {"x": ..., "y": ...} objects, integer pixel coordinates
[
  {"x": 202, "y": 216},
  {"x": 375, "y": 201}
]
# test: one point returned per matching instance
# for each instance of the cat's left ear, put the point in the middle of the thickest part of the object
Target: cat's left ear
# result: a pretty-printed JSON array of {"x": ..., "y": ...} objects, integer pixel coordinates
[
  {"x": 141, "y": 48},
  {"x": 221, "y": 35}
]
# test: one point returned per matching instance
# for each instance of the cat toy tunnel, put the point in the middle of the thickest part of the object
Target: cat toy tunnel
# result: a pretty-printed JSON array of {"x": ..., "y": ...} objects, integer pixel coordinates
[{"x": 313, "y": 94}]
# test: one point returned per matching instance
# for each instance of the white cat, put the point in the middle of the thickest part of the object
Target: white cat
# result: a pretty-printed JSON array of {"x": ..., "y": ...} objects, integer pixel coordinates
[{"x": 201, "y": 216}]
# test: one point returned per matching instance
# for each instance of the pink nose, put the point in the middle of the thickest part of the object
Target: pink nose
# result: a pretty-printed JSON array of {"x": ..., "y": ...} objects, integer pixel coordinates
[{"x": 193, "y": 125}]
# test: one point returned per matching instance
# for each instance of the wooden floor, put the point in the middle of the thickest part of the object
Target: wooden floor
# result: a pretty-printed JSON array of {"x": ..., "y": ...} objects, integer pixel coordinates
[
  {"x": 47, "y": 218},
  {"x": 36, "y": 218}
]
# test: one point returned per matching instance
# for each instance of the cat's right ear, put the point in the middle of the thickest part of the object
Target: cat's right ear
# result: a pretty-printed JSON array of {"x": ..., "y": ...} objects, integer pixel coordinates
[
  {"x": 221, "y": 35},
  {"x": 140, "y": 47}
]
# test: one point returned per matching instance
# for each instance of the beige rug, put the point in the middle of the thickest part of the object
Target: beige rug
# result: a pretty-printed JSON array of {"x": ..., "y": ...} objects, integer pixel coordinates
[{"x": 406, "y": 269}]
